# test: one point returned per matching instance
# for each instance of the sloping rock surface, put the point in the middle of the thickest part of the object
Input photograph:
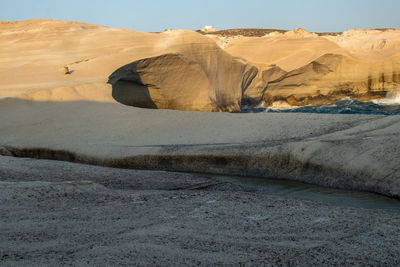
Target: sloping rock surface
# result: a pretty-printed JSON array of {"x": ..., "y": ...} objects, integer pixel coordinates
[
  {"x": 332, "y": 77},
  {"x": 189, "y": 80}
]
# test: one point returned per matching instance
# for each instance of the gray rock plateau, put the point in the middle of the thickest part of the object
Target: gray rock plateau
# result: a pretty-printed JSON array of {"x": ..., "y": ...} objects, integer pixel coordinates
[{"x": 59, "y": 213}]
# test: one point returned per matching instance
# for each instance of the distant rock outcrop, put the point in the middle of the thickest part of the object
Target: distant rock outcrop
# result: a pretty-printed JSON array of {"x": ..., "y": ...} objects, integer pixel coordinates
[
  {"x": 332, "y": 77},
  {"x": 254, "y": 93}
]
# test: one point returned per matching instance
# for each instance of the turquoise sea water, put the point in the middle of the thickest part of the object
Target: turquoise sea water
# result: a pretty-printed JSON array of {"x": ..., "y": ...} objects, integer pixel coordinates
[{"x": 343, "y": 106}]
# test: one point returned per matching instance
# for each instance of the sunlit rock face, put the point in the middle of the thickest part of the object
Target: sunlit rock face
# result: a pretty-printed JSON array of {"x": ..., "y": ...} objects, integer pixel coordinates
[
  {"x": 295, "y": 68},
  {"x": 186, "y": 70},
  {"x": 166, "y": 82},
  {"x": 332, "y": 77},
  {"x": 200, "y": 77},
  {"x": 301, "y": 68}
]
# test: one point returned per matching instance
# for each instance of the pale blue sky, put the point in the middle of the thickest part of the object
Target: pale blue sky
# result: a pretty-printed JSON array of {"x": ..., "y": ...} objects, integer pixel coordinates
[{"x": 157, "y": 15}]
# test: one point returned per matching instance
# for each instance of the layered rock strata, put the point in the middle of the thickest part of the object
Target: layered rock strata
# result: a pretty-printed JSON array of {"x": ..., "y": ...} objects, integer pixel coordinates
[{"x": 329, "y": 78}]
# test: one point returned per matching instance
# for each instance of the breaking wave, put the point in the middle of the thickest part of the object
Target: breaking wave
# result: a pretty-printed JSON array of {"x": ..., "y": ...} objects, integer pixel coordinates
[{"x": 392, "y": 98}]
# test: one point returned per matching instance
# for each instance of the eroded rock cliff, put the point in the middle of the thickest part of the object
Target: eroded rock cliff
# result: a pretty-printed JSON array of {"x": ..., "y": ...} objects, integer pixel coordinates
[
  {"x": 199, "y": 77},
  {"x": 301, "y": 68},
  {"x": 185, "y": 70},
  {"x": 332, "y": 77}
]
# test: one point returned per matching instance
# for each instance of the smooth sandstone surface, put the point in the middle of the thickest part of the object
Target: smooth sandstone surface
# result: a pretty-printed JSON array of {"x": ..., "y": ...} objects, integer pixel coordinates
[
  {"x": 332, "y": 77},
  {"x": 295, "y": 67},
  {"x": 346, "y": 151},
  {"x": 213, "y": 79},
  {"x": 363, "y": 64},
  {"x": 201, "y": 77}
]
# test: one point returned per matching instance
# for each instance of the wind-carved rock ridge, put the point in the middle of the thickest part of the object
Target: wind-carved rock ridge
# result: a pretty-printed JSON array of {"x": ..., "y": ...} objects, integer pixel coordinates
[
  {"x": 218, "y": 82},
  {"x": 327, "y": 79},
  {"x": 203, "y": 76},
  {"x": 184, "y": 81}
]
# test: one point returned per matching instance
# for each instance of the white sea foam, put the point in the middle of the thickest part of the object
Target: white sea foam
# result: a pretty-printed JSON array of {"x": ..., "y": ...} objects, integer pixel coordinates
[
  {"x": 392, "y": 98},
  {"x": 281, "y": 105}
]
